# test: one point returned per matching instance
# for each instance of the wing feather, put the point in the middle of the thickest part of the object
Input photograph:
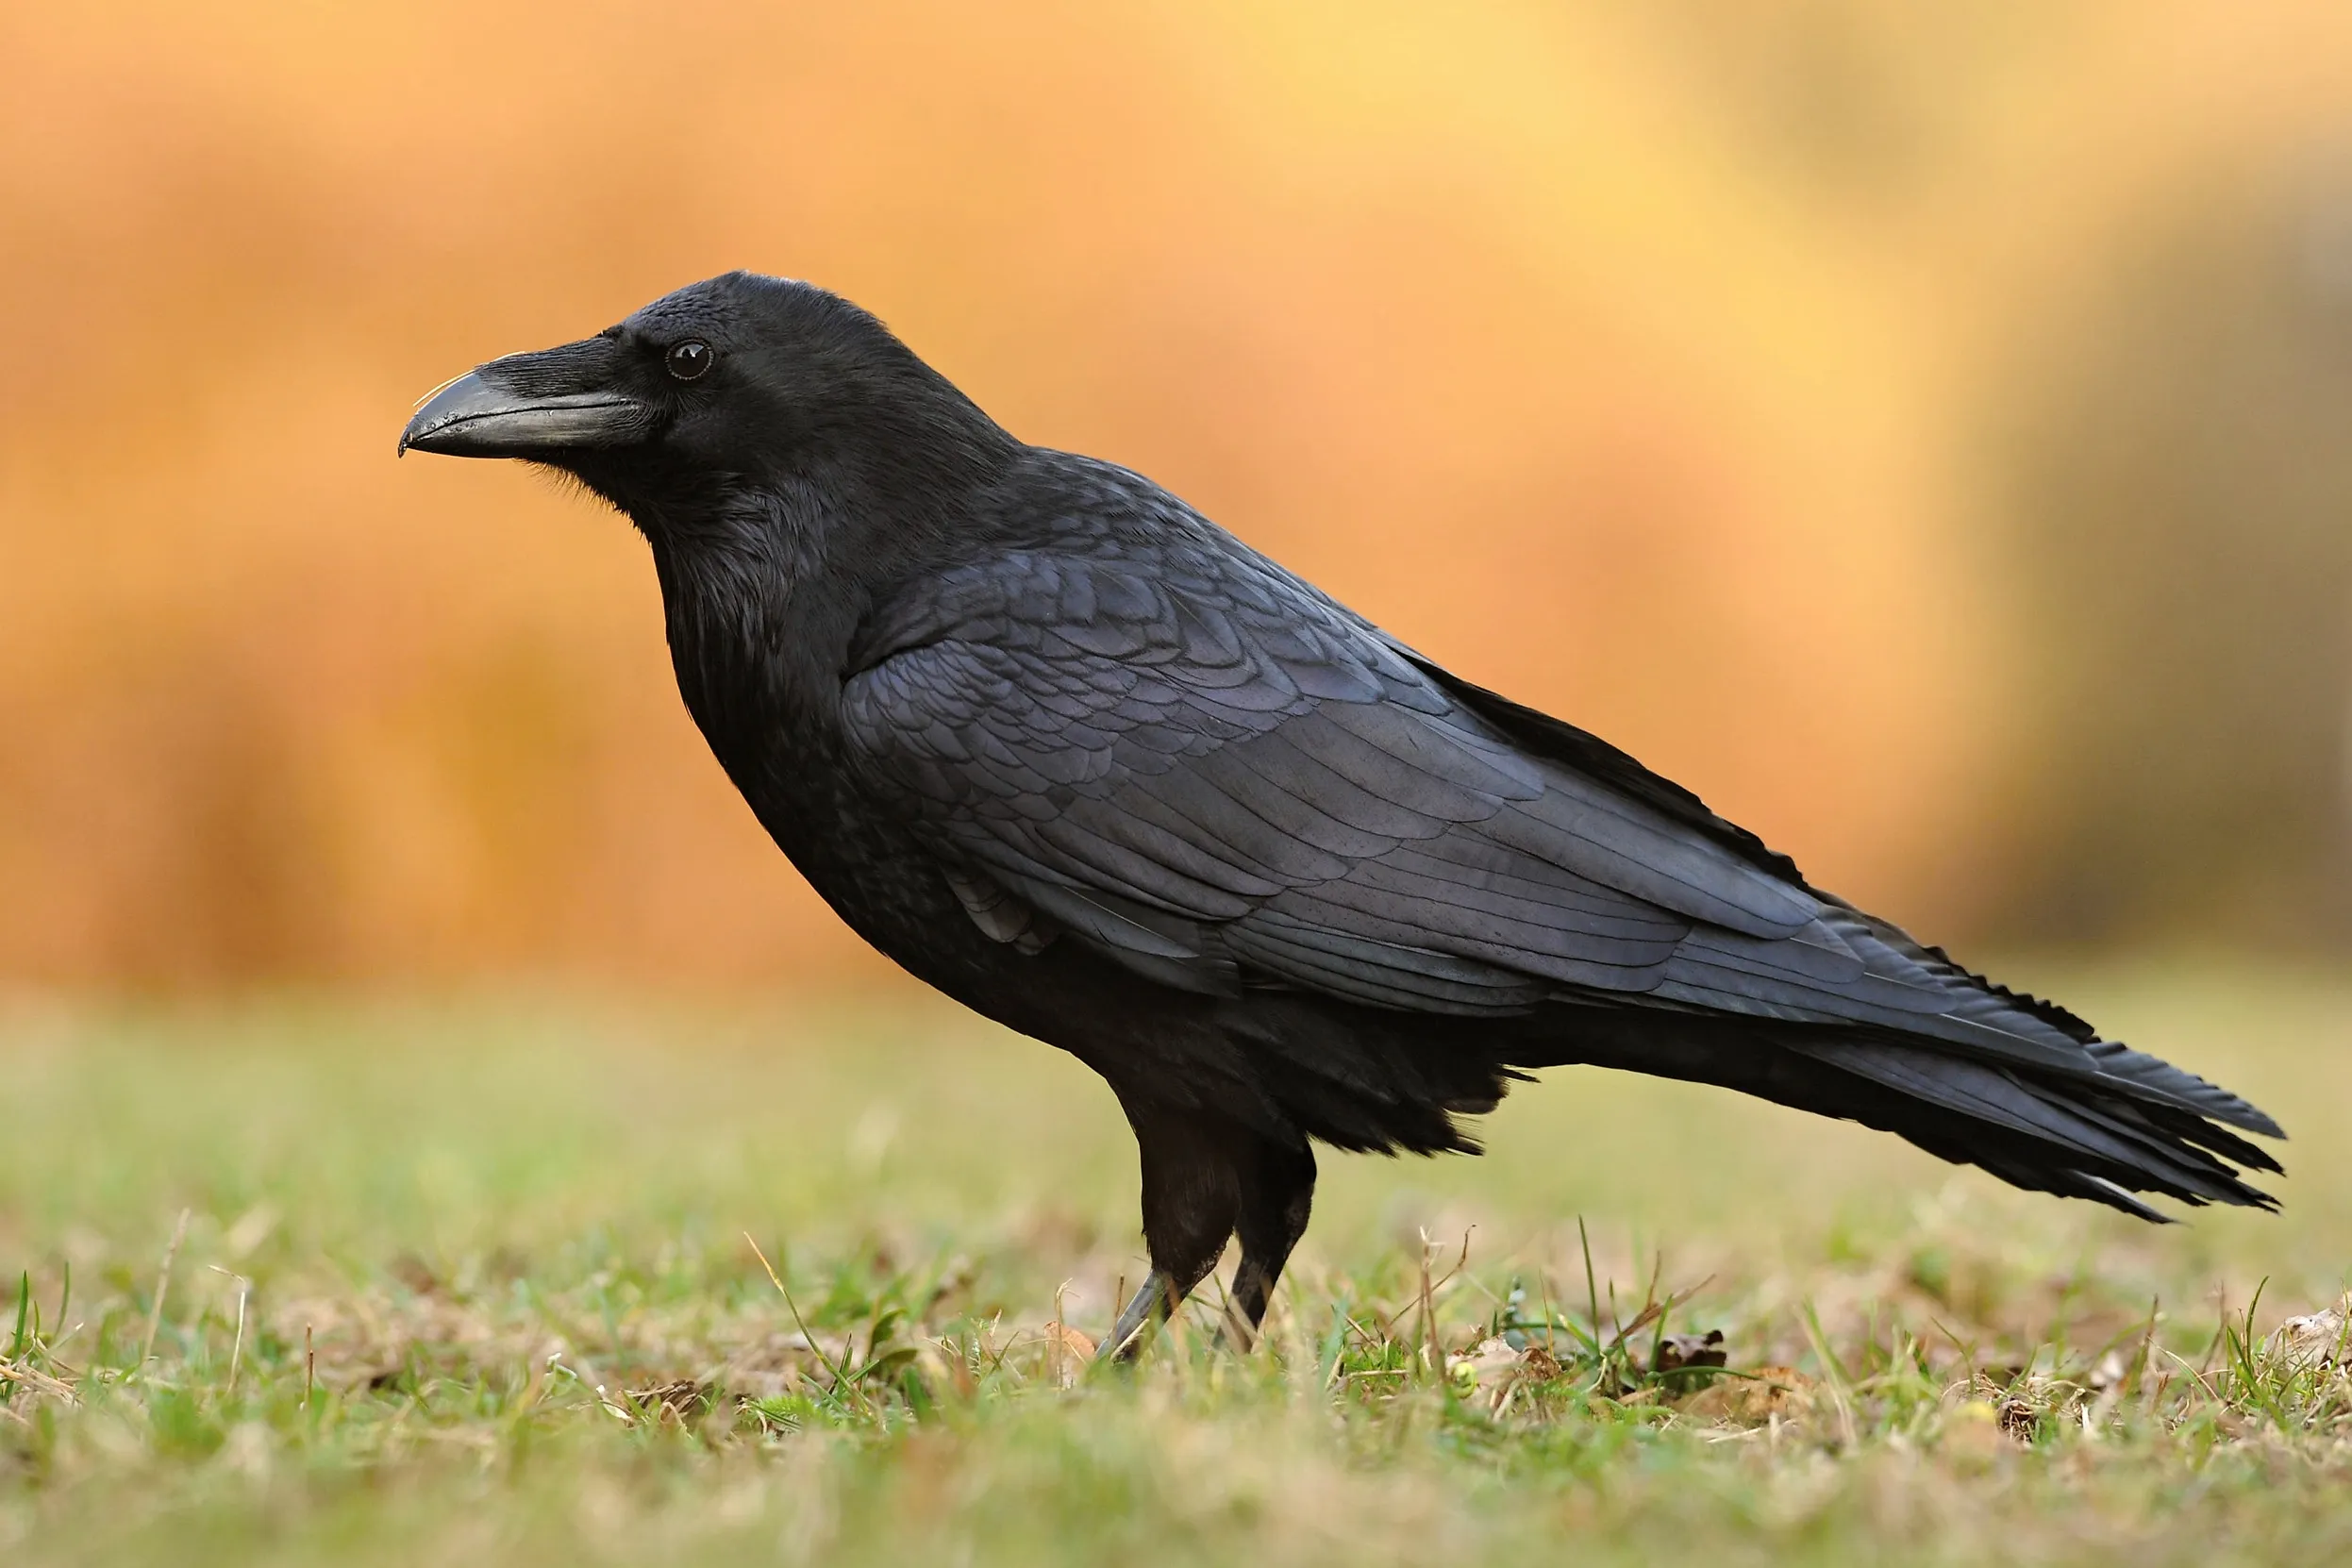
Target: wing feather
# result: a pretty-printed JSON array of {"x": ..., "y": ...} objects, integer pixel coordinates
[{"x": 1181, "y": 756}]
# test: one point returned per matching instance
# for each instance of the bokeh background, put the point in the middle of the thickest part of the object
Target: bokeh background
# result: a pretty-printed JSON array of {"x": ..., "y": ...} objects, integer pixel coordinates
[{"x": 1923, "y": 427}]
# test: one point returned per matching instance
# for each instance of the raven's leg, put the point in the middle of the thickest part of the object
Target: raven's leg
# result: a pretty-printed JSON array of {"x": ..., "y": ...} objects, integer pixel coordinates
[
  {"x": 1192, "y": 1191},
  {"x": 1278, "y": 1189},
  {"x": 1126, "y": 1335}
]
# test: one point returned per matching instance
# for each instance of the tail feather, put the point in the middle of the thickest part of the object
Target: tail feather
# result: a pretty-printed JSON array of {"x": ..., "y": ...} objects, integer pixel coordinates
[
  {"x": 2097, "y": 1135},
  {"x": 2185, "y": 1091},
  {"x": 2094, "y": 1132},
  {"x": 2139, "y": 1074}
]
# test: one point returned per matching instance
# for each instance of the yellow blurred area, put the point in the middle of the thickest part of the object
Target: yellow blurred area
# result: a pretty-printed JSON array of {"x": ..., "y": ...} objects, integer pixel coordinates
[{"x": 1667, "y": 365}]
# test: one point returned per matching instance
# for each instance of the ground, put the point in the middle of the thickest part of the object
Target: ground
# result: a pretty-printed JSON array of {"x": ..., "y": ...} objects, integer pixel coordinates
[{"x": 492, "y": 1259}]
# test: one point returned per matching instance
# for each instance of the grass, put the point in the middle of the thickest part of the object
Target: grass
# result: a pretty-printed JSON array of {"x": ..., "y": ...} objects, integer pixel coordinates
[{"x": 476, "y": 1281}]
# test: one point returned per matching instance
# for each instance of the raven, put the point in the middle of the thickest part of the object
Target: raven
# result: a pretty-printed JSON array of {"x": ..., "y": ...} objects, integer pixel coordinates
[{"x": 1073, "y": 755}]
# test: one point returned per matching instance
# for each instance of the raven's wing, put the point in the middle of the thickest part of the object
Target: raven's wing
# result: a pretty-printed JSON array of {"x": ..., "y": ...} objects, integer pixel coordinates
[
  {"x": 1206, "y": 770},
  {"x": 1199, "y": 765}
]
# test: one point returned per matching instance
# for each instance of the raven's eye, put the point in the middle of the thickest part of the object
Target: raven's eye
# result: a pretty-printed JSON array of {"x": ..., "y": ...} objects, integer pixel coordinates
[{"x": 690, "y": 358}]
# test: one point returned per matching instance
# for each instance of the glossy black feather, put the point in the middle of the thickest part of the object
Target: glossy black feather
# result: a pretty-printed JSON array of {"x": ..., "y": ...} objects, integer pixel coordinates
[{"x": 1076, "y": 756}]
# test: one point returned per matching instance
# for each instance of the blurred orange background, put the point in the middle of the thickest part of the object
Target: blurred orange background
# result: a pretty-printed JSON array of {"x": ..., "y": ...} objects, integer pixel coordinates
[{"x": 1924, "y": 428}]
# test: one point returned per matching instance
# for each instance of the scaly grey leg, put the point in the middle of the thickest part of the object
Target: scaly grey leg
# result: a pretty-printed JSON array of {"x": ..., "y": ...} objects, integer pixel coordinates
[{"x": 1127, "y": 1335}]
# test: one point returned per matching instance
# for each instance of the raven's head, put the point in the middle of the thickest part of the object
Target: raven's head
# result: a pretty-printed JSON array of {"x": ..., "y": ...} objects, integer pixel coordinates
[{"x": 738, "y": 389}]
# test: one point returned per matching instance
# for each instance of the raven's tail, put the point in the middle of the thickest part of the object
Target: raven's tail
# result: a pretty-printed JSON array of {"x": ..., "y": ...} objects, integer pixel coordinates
[{"x": 2127, "y": 1123}]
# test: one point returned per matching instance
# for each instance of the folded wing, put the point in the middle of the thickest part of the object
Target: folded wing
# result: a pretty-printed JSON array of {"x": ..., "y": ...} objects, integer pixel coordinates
[{"x": 1167, "y": 748}]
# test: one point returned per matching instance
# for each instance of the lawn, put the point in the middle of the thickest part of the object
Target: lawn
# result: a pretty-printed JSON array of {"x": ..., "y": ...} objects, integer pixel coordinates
[{"x": 474, "y": 1280}]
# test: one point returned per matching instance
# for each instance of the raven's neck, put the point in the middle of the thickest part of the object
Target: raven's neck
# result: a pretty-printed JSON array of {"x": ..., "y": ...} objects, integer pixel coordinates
[
  {"x": 763, "y": 592},
  {"x": 759, "y": 627},
  {"x": 766, "y": 576}
]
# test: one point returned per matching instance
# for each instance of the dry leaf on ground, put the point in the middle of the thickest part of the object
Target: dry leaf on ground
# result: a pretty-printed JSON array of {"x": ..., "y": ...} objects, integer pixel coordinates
[
  {"x": 1495, "y": 1368},
  {"x": 2318, "y": 1340},
  {"x": 1068, "y": 1353},
  {"x": 1754, "y": 1398},
  {"x": 682, "y": 1400}
]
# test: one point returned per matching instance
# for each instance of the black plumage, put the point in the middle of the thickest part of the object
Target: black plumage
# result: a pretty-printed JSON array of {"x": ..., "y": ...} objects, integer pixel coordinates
[{"x": 1078, "y": 758}]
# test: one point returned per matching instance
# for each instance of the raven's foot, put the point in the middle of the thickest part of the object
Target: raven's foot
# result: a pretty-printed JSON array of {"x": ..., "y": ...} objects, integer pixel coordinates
[{"x": 1151, "y": 1303}]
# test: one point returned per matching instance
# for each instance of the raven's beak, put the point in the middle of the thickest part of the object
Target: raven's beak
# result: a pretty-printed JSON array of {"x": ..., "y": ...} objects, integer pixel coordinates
[{"x": 532, "y": 406}]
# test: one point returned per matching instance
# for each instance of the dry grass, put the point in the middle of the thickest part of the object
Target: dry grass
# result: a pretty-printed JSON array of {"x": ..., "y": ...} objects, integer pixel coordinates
[{"x": 471, "y": 1282}]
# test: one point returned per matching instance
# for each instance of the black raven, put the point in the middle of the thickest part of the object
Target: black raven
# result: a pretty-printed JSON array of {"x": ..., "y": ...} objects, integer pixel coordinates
[{"x": 1086, "y": 762}]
